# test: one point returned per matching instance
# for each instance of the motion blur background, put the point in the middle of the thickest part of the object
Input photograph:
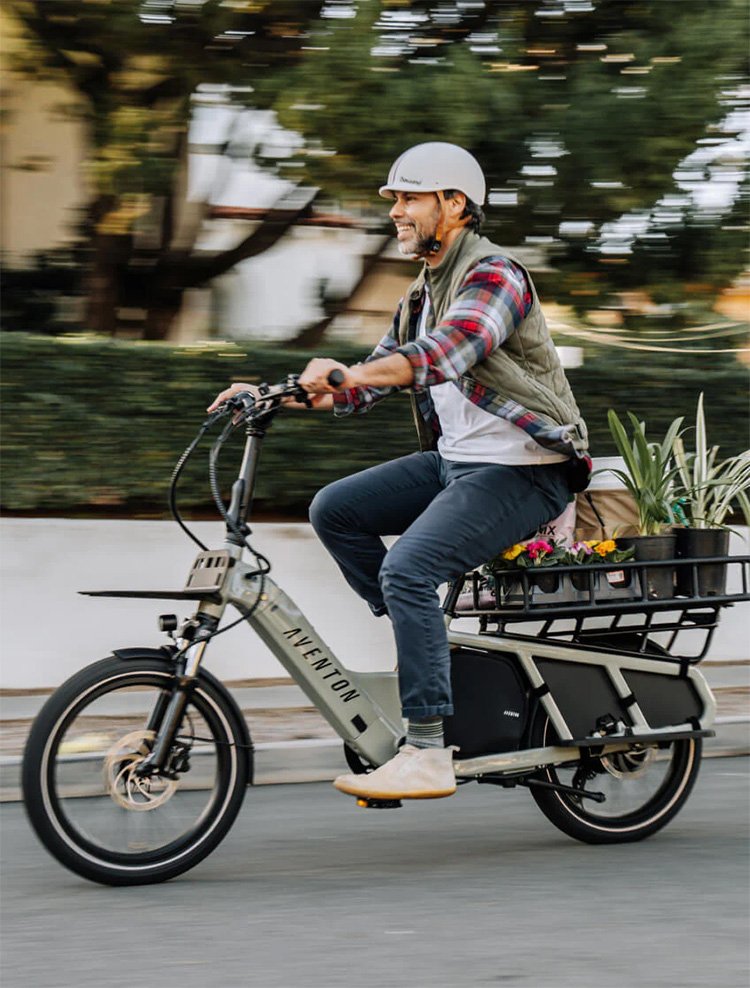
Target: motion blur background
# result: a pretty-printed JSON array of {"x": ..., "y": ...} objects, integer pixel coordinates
[{"x": 189, "y": 197}]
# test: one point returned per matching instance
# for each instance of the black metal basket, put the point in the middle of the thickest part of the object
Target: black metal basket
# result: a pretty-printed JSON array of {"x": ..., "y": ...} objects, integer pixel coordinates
[{"x": 598, "y": 601}]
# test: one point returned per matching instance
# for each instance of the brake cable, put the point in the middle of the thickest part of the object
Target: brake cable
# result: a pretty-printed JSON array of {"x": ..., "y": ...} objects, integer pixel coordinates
[
  {"x": 213, "y": 460},
  {"x": 179, "y": 467},
  {"x": 262, "y": 563}
]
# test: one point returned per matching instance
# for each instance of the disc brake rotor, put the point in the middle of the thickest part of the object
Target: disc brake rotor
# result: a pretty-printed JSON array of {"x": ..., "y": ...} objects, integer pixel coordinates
[
  {"x": 628, "y": 764},
  {"x": 127, "y": 789}
]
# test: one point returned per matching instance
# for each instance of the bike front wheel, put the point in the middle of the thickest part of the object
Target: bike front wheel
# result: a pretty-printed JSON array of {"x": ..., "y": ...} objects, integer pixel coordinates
[
  {"x": 84, "y": 797},
  {"x": 644, "y": 788}
]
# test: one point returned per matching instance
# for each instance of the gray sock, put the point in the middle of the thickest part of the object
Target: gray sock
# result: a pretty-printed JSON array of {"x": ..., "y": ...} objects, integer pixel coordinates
[{"x": 426, "y": 732}]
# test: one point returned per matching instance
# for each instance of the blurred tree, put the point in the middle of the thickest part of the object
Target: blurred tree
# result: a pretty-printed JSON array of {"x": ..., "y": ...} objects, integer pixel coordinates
[
  {"x": 137, "y": 65},
  {"x": 580, "y": 113}
]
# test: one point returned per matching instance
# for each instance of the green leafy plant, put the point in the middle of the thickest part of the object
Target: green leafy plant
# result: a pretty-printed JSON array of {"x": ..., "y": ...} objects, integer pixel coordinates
[
  {"x": 709, "y": 487},
  {"x": 531, "y": 555},
  {"x": 597, "y": 551},
  {"x": 649, "y": 472},
  {"x": 546, "y": 551}
]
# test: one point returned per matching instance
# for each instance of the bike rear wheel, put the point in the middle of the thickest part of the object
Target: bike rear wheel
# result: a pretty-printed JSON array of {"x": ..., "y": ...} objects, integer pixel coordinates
[
  {"x": 84, "y": 797},
  {"x": 644, "y": 788}
]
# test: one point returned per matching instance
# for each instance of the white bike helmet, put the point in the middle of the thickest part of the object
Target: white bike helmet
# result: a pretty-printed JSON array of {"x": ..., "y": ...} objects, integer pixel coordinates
[{"x": 433, "y": 167}]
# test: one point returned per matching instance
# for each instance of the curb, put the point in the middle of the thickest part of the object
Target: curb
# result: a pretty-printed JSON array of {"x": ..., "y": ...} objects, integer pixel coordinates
[
  {"x": 321, "y": 760},
  {"x": 276, "y": 762}
]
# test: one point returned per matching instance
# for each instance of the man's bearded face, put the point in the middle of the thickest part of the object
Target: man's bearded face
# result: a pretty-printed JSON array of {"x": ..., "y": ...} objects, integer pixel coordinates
[{"x": 415, "y": 215}]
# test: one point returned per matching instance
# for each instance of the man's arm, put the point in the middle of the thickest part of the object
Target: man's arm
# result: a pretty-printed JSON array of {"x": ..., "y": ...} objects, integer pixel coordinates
[
  {"x": 364, "y": 384},
  {"x": 491, "y": 303},
  {"x": 394, "y": 371}
]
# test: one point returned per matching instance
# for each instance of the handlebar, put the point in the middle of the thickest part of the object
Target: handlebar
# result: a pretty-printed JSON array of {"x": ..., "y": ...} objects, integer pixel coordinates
[
  {"x": 244, "y": 408},
  {"x": 271, "y": 396}
]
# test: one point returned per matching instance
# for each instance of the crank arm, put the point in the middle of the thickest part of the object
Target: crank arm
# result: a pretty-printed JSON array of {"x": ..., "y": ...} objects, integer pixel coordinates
[{"x": 598, "y": 797}]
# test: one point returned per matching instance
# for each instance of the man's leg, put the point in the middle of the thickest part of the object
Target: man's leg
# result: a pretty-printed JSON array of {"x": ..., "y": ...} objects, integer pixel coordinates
[
  {"x": 481, "y": 510},
  {"x": 350, "y": 516}
]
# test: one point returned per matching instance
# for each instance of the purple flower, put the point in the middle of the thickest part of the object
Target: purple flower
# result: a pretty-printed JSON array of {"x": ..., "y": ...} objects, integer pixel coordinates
[{"x": 582, "y": 547}]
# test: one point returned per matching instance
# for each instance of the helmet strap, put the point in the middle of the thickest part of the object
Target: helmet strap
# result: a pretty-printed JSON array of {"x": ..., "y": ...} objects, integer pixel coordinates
[{"x": 437, "y": 240}]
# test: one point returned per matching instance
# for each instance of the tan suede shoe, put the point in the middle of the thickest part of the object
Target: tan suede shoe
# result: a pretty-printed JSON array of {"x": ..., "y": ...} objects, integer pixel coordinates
[{"x": 414, "y": 773}]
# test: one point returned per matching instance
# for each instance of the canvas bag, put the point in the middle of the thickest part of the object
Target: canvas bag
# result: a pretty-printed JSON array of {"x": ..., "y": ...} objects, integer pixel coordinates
[{"x": 604, "y": 514}]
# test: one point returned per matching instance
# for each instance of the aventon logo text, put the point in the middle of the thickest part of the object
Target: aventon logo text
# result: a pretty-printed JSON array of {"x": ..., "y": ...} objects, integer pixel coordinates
[{"x": 317, "y": 660}]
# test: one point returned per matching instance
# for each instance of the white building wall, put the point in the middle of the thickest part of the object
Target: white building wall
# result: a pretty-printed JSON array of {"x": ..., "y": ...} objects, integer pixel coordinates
[{"x": 49, "y": 631}]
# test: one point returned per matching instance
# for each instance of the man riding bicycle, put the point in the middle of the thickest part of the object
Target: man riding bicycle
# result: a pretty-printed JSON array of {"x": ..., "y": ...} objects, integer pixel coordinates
[{"x": 503, "y": 444}]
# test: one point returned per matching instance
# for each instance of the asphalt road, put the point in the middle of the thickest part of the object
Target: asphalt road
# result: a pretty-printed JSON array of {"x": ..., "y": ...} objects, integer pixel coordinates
[{"x": 480, "y": 890}]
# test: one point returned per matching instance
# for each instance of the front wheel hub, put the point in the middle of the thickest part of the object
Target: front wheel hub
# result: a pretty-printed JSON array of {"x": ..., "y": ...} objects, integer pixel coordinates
[{"x": 124, "y": 785}]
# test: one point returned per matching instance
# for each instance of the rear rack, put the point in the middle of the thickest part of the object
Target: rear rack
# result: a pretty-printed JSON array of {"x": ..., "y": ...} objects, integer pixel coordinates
[{"x": 590, "y": 604}]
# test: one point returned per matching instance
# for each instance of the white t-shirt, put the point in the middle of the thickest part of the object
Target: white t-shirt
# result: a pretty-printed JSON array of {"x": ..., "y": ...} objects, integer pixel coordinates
[{"x": 472, "y": 435}]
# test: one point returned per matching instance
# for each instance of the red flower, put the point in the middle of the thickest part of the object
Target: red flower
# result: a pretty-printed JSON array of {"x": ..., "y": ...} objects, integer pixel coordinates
[{"x": 534, "y": 549}]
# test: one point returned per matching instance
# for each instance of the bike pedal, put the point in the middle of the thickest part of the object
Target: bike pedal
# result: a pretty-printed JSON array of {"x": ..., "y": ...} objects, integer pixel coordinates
[{"x": 378, "y": 804}]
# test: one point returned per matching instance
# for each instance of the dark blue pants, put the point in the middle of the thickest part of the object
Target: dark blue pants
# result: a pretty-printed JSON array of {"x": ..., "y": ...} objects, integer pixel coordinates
[{"x": 451, "y": 518}]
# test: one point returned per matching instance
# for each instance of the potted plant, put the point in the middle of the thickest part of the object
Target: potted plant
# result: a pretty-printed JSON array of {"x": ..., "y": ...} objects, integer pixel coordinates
[
  {"x": 708, "y": 489},
  {"x": 649, "y": 475},
  {"x": 592, "y": 551},
  {"x": 539, "y": 554}
]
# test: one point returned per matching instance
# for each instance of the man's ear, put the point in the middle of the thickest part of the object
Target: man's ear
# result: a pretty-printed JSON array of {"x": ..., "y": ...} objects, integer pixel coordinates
[{"x": 456, "y": 204}]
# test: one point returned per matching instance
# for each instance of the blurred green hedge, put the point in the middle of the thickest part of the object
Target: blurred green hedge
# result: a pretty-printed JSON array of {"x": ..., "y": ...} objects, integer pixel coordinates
[{"x": 95, "y": 426}]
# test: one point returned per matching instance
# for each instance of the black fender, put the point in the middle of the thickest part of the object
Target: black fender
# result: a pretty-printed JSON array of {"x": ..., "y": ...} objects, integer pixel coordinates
[
  {"x": 144, "y": 652},
  {"x": 166, "y": 653}
]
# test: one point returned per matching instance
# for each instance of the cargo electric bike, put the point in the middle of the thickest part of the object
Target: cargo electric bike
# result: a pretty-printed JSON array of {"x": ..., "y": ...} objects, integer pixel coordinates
[{"x": 136, "y": 767}]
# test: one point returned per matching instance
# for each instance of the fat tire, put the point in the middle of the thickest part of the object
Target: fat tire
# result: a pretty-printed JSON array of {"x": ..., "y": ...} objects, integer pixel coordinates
[
  {"x": 37, "y": 772},
  {"x": 650, "y": 818}
]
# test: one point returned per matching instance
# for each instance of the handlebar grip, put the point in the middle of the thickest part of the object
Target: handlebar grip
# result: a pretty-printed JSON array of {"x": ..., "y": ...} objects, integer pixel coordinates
[{"x": 336, "y": 378}]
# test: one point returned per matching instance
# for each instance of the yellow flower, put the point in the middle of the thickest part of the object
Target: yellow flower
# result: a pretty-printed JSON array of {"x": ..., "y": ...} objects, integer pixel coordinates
[
  {"x": 604, "y": 547},
  {"x": 515, "y": 550},
  {"x": 591, "y": 543}
]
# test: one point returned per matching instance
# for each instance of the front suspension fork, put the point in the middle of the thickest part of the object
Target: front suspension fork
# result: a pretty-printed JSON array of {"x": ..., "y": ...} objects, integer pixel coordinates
[{"x": 166, "y": 717}]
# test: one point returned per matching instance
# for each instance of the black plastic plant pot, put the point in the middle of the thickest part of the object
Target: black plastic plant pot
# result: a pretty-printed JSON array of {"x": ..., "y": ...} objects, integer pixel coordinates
[
  {"x": 584, "y": 579},
  {"x": 648, "y": 548},
  {"x": 693, "y": 543},
  {"x": 508, "y": 589},
  {"x": 546, "y": 581}
]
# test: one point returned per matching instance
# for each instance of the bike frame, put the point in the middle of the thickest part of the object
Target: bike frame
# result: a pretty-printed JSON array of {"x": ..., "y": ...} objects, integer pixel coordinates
[{"x": 364, "y": 708}]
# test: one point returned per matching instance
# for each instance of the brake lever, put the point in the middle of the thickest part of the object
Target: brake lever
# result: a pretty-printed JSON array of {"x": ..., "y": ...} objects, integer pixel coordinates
[
  {"x": 296, "y": 392},
  {"x": 242, "y": 401},
  {"x": 221, "y": 412},
  {"x": 240, "y": 406}
]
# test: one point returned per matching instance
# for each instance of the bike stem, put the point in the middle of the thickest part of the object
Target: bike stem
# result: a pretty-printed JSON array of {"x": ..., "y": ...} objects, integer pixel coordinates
[{"x": 244, "y": 486}]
